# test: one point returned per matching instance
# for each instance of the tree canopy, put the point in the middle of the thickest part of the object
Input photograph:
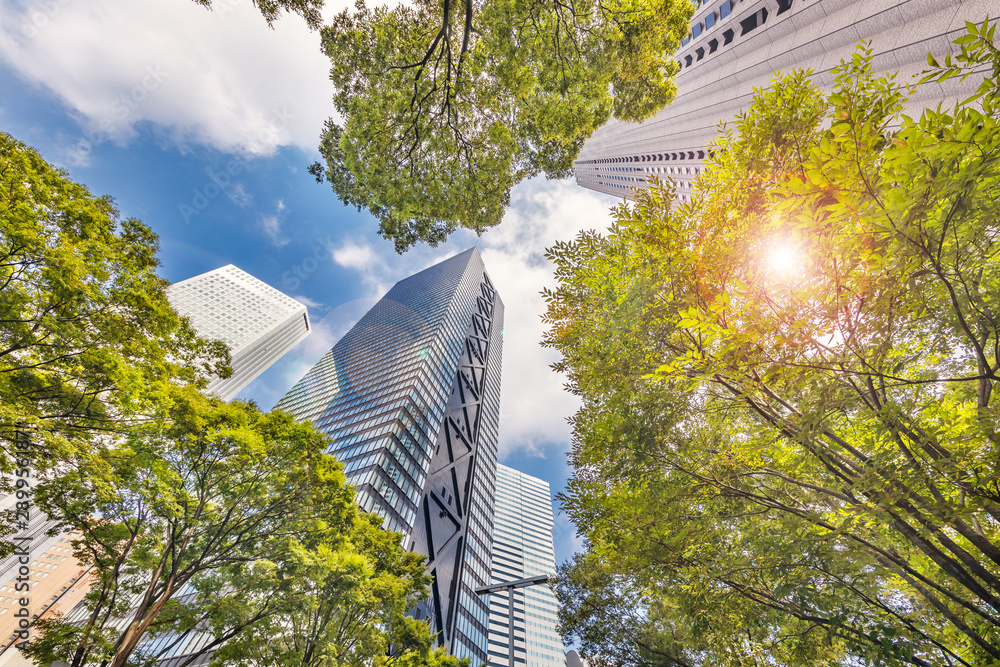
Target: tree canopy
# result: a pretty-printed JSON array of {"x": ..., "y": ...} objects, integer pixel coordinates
[
  {"x": 223, "y": 523},
  {"x": 788, "y": 444},
  {"x": 447, "y": 105},
  {"x": 88, "y": 341},
  {"x": 346, "y": 607}
]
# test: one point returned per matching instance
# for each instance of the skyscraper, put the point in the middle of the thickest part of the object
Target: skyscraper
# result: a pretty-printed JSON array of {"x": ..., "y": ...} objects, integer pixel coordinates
[
  {"x": 411, "y": 399},
  {"x": 522, "y": 547},
  {"x": 40, "y": 578},
  {"x": 259, "y": 323},
  {"x": 735, "y": 46}
]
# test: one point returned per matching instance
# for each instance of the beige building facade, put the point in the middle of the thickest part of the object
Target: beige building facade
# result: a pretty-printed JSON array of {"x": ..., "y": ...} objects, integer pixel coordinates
[
  {"x": 40, "y": 579},
  {"x": 736, "y": 46}
]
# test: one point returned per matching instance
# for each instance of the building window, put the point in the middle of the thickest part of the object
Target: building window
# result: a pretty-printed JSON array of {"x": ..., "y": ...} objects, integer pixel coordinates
[
  {"x": 713, "y": 46},
  {"x": 753, "y": 21},
  {"x": 724, "y": 9},
  {"x": 696, "y": 30},
  {"x": 784, "y": 6},
  {"x": 710, "y": 19},
  {"x": 727, "y": 37}
]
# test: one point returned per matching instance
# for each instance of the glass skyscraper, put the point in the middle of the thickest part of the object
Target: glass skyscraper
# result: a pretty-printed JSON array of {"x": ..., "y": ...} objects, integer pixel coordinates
[
  {"x": 522, "y": 547},
  {"x": 257, "y": 322},
  {"x": 411, "y": 399}
]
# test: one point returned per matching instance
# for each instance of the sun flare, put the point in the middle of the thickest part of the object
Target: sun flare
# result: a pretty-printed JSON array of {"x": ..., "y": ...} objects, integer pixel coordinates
[{"x": 783, "y": 258}]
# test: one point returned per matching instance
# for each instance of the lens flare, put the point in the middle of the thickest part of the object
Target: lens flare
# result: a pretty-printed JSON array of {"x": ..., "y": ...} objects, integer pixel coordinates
[{"x": 783, "y": 259}]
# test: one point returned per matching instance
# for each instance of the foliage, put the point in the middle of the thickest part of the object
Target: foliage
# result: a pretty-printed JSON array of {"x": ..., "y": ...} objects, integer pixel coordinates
[
  {"x": 188, "y": 518},
  {"x": 788, "y": 442},
  {"x": 345, "y": 607},
  {"x": 310, "y": 10},
  {"x": 447, "y": 104},
  {"x": 88, "y": 342}
]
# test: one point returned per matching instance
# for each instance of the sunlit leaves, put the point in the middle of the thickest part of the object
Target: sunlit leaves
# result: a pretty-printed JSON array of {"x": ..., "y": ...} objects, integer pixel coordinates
[{"x": 814, "y": 446}]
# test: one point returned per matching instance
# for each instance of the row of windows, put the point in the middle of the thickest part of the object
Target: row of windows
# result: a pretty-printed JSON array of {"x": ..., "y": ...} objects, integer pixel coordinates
[
  {"x": 502, "y": 610},
  {"x": 544, "y": 555},
  {"x": 504, "y": 656},
  {"x": 533, "y": 507},
  {"x": 538, "y": 546},
  {"x": 539, "y": 536},
  {"x": 514, "y": 478},
  {"x": 536, "y": 509},
  {"x": 709, "y": 21},
  {"x": 747, "y": 25}
]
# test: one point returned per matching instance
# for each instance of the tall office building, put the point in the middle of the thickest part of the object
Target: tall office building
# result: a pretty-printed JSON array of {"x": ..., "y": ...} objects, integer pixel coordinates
[
  {"x": 736, "y": 45},
  {"x": 523, "y": 621},
  {"x": 256, "y": 321},
  {"x": 40, "y": 578},
  {"x": 411, "y": 399}
]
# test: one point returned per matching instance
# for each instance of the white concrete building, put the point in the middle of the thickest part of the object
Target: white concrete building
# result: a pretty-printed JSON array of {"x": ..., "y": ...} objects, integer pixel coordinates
[
  {"x": 522, "y": 547},
  {"x": 736, "y": 45},
  {"x": 257, "y": 322}
]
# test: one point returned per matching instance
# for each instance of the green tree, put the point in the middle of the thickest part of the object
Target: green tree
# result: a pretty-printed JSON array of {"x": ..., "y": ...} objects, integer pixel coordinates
[
  {"x": 88, "y": 342},
  {"x": 446, "y": 105},
  {"x": 187, "y": 517},
  {"x": 788, "y": 430},
  {"x": 345, "y": 607}
]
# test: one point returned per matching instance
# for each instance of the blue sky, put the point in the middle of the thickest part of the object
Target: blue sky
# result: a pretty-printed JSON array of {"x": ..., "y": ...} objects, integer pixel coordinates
[{"x": 202, "y": 125}]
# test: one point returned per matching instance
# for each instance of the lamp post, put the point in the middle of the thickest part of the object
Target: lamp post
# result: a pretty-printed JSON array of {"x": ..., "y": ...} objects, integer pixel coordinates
[{"x": 536, "y": 580}]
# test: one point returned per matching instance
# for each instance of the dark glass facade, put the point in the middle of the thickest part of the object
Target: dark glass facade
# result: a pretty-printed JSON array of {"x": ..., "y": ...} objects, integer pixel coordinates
[{"x": 411, "y": 399}]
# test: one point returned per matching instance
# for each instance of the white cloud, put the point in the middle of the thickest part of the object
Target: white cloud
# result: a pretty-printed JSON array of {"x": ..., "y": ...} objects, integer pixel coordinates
[
  {"x": 378, "y": 269},
  {"x": 220, "y": 77},
  {"x": 534, "y": 406},
  {"x": 271, "y": 224},
  {"x": 306, "y": 301},
  {"x": 353, "y": 255},
  {"x": 239, "y": 195}
]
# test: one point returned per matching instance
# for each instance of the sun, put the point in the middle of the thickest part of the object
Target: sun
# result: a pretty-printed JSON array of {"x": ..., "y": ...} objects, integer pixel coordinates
[{"x": 783, "y": 258}]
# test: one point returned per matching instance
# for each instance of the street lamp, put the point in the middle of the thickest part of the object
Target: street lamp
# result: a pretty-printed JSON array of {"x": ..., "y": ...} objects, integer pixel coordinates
[{"x": 510, "y": 586}]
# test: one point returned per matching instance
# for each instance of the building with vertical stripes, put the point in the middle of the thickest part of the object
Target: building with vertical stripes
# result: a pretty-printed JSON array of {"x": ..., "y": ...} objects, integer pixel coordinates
[
  {"x": 523, "y": 621},
  {"x": 257, "y": 322},
  {"x": 735, "y": 46},
  {"x": 410, "y": 397}
]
